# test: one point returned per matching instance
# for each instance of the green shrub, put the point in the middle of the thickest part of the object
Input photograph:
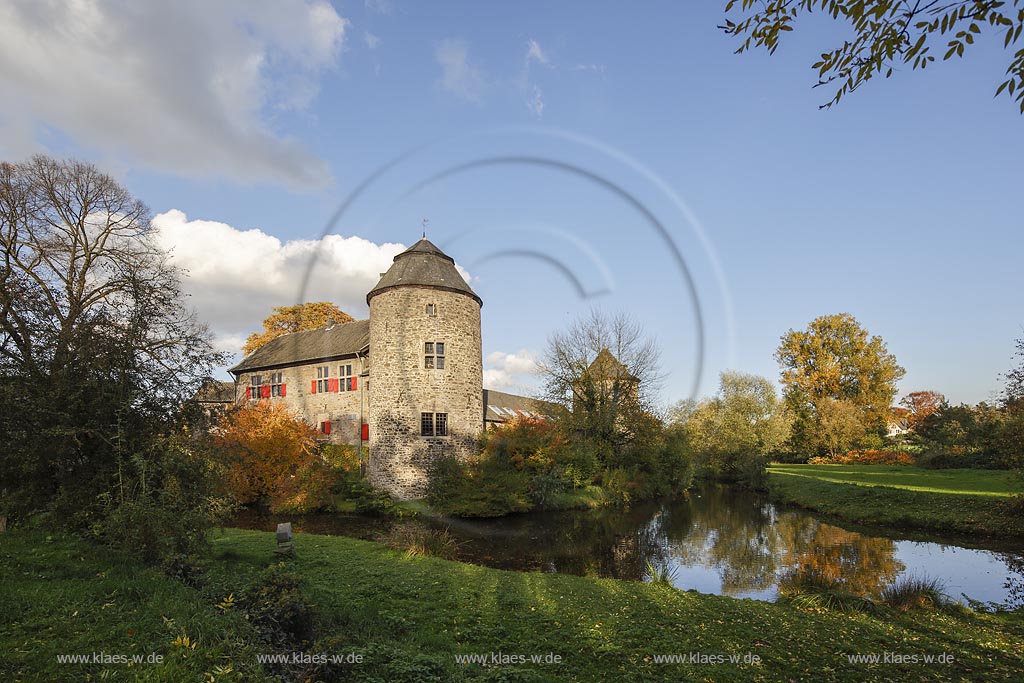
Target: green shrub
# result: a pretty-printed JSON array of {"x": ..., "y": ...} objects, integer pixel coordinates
[
  {"x": 816, "y": 591},
  {"x": 545, "y": 489},
  {"x": 484, "y": 487},
  {"x": 913, "y": 592},
  {"x": 619, "y": 485},
  {"x": 579, "y": 464},
  {"x": 372, "y": 501},
  {"x": 417, "y": 539},
  {"x": 161, "y": 503},
  {"x": 525, "y": 443},
  {"x": 659, "y": 574},
  {"x": 836, "y": 601}
]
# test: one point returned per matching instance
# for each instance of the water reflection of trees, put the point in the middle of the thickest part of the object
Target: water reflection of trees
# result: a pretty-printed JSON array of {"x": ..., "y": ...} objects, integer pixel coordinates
[
  {"x": 740, "y": 536},
  {"x": 1014, "y": 581},
  {"x": 753, "y": 546}
]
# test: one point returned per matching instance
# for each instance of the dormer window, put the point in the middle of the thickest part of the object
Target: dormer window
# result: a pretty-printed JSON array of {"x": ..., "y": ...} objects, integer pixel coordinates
[{"x": 432, "y": 310}]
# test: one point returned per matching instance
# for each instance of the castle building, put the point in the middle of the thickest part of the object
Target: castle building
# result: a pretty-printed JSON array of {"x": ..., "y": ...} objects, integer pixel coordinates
[{"x": 408, "y": 381}]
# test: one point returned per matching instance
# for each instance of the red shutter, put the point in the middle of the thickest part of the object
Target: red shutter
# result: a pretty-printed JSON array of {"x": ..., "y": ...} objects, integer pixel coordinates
[
  {"x": 248, "y": 393},
  {"x": 265, "y": 391},
  {"x": 355, "y": 383},
  {"x": 366, "y": 432},
  {"x": 283, "y": 392},
  {"x": 313, "y": 388},
  {"x": 332, "y": 385},
  {"x": 327, "y": 427}
]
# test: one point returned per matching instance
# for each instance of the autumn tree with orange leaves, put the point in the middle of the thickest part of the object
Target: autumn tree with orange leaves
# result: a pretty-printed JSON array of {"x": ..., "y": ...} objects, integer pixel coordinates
[
  {"x": 920, "y": 405},
  {"x": 271, "y": 455},
  {"x": 285, "y": 319}
]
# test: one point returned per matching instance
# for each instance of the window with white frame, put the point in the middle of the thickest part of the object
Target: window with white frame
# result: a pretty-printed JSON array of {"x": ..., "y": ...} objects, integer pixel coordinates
[
  {"x": 255, "y": 384},
  {"x": 276, "y": 384},
  {"x": 323, "y": 374},
  {"x": 432, "y": 310}
]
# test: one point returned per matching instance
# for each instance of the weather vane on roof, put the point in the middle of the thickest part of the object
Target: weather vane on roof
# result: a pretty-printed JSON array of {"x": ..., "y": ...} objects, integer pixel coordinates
[{"x": 425, "y": 221}]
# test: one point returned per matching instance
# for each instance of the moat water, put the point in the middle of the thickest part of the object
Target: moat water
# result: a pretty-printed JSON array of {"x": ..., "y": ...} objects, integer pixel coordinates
[{"x": 716, "y": 540}]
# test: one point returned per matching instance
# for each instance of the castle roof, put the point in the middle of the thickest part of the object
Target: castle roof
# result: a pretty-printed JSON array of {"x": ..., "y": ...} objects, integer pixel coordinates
[
  {"x": 501, "y": 407},
  {"x": 325, "y": 343},
  {"x": 607, "y": 366},
  {"x": 213, "y": 391},
  {"x": 423, "y": 265}
]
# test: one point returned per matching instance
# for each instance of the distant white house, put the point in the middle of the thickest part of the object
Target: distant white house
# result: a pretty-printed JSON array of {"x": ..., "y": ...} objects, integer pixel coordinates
[{"x": 898, "y": 425}]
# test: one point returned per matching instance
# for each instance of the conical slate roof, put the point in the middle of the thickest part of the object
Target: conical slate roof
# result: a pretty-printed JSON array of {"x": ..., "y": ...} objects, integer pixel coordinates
[{"x": 423, "y": 265}]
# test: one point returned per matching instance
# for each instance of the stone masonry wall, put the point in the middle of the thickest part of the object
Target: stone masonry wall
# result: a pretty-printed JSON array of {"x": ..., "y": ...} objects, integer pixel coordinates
[
  {"x": 402, "y": 388},
  {"x": 342, "y": 409}
]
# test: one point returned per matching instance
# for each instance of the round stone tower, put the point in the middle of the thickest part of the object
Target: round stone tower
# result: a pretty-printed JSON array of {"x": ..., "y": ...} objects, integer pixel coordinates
[{"x": 426, "y": 370}]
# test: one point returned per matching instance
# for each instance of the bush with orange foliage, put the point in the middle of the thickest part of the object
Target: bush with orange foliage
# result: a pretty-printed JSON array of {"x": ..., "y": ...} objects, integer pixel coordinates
[
  {"x": 866, "y": 457},
  {"x": 526, "y": 443},
  {"x": 271, "y": 454}
]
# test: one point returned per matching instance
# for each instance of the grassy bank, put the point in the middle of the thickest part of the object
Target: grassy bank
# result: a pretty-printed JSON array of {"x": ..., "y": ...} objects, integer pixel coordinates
[
  {"x": 409, "y": 616},
  {"x": 960, "y": 501}
]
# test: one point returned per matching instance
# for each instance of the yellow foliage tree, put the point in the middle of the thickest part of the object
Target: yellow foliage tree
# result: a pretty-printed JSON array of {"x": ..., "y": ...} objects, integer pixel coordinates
[
  {"x": 308, "y": 316},
  {"x": 270, "y": 454}
]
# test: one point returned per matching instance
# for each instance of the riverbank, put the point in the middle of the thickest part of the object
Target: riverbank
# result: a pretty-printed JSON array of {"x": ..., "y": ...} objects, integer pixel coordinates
[
  {"x": 409, "y": 617},
  {"x": 956, "y": 501}
]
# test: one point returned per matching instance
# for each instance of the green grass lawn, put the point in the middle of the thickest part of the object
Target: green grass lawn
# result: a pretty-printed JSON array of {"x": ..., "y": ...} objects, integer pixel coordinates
[
  {"x": 409, "y": 616},
  {"x": 962, "y": 500},
  {"x": 959, "y": 482}
]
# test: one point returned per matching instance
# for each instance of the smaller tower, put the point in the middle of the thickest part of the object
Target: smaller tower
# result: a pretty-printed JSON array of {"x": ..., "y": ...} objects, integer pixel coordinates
[{"x": 426, "y": 370}]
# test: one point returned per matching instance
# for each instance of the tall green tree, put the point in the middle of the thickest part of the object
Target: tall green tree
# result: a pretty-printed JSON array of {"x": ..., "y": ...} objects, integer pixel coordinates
[
  {"x": 835, "y": 358},
  {"x": 735, "y": 431},
  {"x": 884, "y": 35},
  {"x": 839, "y": 426},
  {"x": 1014, "y": 392}
]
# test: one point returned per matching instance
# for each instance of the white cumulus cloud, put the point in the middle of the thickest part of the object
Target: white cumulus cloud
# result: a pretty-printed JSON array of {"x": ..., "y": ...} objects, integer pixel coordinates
[
  {"x": 510, "y": 371},
  {"x": 185, "y": 87},
  {"x": 234, "y": 277}
]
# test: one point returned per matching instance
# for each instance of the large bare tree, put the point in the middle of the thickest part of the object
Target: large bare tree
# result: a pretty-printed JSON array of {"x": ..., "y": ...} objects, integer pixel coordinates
[
  {"x": 96, "y": 343},
  {"x": 603, "y": 372}
]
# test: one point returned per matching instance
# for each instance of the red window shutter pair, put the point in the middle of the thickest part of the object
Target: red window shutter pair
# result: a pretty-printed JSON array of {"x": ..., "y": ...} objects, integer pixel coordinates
[
  {"x": 283, "y": 392},
  {"x": 312, "y": 389},
  {"x": 332, "y": 385},
  {"x": 265, "y": 391},
  {"x": 248, "y": 393},
  {"x": 327, "y": 427}
]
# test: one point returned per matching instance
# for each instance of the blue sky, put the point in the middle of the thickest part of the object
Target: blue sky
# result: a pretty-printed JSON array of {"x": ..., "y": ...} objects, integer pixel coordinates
[{"x": 539, "y": 139}]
